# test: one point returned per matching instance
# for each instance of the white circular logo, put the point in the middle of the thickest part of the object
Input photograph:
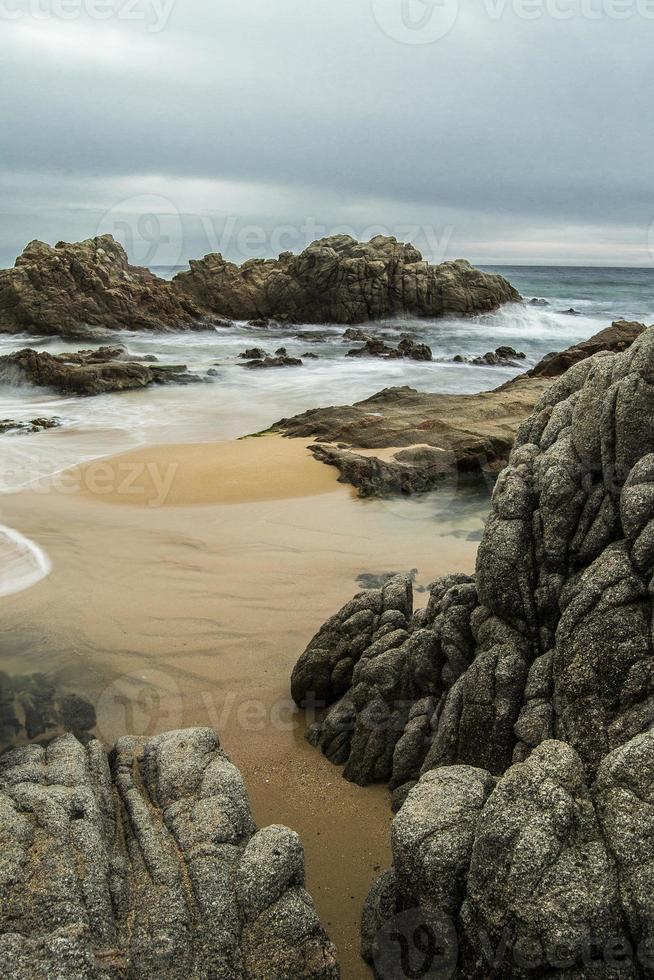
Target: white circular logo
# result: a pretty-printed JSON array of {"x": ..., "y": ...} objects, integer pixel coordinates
[
  {"x": 145, "y": 702},
  {"x": 149, "y": 227},
  {"x": 416, "y": 21}
]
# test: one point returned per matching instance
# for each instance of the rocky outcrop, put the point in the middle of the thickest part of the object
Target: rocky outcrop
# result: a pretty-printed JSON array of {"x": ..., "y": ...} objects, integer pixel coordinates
[
  {"x": 441, "y": 435},
  {"x": 147, "y": 863},
  {"x": 92, "y": 372},
  {"x": 618, "y": 337},
  {"x": 340, "y": 280},
  {"x": 513, "y": 717},
  {"x": 74, "y": 289},
  {"x": 78, "y": 289},
  {"x": 552, "y": 637}
]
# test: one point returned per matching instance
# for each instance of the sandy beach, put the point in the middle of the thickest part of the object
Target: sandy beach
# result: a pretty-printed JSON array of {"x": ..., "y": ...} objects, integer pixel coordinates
[{"x": 193, "y": 611}]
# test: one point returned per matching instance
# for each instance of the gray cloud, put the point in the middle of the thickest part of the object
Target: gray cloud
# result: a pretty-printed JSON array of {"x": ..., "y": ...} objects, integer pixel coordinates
[{"x": 514, "y": 133}]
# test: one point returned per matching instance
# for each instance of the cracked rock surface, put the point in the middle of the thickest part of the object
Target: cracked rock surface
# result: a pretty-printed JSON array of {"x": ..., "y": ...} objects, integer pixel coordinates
[{"x": 146, "y": 863}]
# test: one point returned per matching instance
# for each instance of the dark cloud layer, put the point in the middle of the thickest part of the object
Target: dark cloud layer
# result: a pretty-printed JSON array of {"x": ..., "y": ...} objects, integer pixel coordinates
[{"x": 513, "y": 131}]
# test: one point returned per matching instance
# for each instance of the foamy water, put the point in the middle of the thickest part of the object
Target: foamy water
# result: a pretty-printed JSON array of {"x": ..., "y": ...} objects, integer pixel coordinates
[
  {"x": 22, "y": 562},
  {"x": 235, "y": 401}
]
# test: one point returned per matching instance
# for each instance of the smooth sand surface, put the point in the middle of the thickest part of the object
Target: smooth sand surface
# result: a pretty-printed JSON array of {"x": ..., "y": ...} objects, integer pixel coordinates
[
  {"x": 258, "y": 468},
  {"x": 170, "y": 616}
]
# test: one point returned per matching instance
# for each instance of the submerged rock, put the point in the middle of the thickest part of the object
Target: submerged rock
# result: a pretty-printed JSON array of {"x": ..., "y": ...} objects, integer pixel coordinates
[
  {"x": 340, "y": 280},
  {"x": 92, "y": 372},
  {"x": 33, "y": 425},
  {"x": 35, "y": 705},
  {"x": 500, "y": 357},
  {"x": 406, "y": 348},
  {"x": 147, "y": 863},
  {"x": 74, "y": 289},
  {"x": 274, "y": 362}
]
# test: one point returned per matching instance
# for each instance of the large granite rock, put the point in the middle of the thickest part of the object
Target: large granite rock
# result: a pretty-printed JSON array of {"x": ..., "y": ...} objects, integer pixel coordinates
[
  {"x": 340, "y": 280},
  {"x": 542, "y": 872},
  {"x": 90, "y": 372},
  {"x": 441, "y": 434},
  {"x": 513, "y": 717},
  {"x": 147, "y": 864},
  {"x": 74, "y": 289}
]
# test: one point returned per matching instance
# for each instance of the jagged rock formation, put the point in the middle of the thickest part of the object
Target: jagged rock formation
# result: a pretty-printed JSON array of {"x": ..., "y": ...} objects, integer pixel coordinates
[
  {"x": 147, "y": 864},
  {"x": 79, "y": 289},
  {"x": 442, "y": 434},
  {"x": 340, "y": 280},
  {"x": 91, "y": 372},
  {"x": 514, "y": 716},
  {"x": 73, "y": 289},
  {"x": 34, "y": 705}
]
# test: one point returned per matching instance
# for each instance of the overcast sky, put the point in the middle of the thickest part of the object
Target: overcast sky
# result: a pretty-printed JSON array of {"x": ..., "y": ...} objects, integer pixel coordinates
[{"x": 517, "y": 131}]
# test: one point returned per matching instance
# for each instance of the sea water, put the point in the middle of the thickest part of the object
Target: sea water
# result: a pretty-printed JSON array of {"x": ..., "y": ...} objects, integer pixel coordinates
[{"x": 233, "y": 401}]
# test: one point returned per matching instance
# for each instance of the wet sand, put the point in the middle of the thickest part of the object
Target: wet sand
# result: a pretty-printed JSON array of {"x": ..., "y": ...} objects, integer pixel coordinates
[{"x": 194, "y": 612}]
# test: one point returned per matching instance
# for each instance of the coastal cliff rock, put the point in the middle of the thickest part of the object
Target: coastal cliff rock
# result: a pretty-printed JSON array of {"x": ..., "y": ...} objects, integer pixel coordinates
[
  {"x": 340, "y": 280},
  {"x": 513, "y": 717},
  {"x": 147, "y": 863},
  {"x": 73, "y": 289},
  {"x": 91, "y": 372},
  {"x": 441, "y": 434}
]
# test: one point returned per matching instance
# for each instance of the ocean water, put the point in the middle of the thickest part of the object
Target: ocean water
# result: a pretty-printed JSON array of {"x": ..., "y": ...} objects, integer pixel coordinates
[{"x": 235, "y": 401}]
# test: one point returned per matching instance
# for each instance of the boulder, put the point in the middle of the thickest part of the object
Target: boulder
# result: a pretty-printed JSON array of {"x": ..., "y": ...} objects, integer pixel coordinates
[
  {"x": 340, "y": 280},
  {"x": 146, "y": 863},
  {"x": 76, "y": 289},
  {"x": 541, "y": 872},
  {"x": 89, "y": 372}
]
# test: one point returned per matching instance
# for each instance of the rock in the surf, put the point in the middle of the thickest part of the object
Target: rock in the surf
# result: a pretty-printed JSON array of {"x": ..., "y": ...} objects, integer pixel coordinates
[
  {"x": 74, "y": 289},
  {"x": 340, "y": 280},
  {"x": 147, "y": 863},
  {"x": 92, "y": 372}
]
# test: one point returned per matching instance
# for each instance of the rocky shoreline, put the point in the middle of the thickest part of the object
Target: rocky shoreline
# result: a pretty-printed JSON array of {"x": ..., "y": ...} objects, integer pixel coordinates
[
  {"x": 440, "y": 435},
  {"x": 513, "y": 716},
  {"x": 87, "y": 288}
]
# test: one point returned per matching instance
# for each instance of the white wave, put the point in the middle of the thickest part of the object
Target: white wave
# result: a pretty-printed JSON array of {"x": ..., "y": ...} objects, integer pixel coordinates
[{"x": 22, "y": 562}]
